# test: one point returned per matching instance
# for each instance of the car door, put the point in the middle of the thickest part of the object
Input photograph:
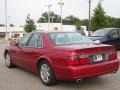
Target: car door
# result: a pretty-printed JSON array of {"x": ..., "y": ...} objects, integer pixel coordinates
[
  {"x": 118, "y": 39},
  {"x": 114, "y": 38},
  {"x": 17, "y": 52},
  {"x": 32, "y": 52}
]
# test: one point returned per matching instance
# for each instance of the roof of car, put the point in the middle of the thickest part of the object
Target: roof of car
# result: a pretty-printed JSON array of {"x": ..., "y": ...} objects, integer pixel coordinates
[
  {"x": 50, "y": 31},
  {"x": 111, "y": 28}
]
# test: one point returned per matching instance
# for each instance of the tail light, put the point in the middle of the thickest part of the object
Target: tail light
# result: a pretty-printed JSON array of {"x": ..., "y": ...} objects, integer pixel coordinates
[
  {"x": 77, "y": 60},
  {"x": 112, "y": 55},
  {"x": 84, "y": 59}
]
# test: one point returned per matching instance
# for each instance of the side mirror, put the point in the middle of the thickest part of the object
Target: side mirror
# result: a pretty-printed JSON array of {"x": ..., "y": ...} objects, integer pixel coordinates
[{"x": 13, "y": 43}]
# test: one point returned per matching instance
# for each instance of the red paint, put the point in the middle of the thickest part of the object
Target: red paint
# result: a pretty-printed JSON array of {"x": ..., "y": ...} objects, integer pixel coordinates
[{"x": 64, "y": 59}]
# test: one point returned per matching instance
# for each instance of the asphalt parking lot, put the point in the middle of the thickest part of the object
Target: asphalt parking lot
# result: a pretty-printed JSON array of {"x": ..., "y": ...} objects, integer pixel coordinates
[{"x": 19, "y": 79}]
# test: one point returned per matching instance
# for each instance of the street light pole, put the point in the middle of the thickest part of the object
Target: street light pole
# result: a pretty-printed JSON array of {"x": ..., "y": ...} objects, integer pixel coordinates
[
  {"x": 6, "y": 35},
  {"x": 9, "y": 26},
  {"x": 61, "y": 4},
  {"x": 89, "y": 24},
  {"x": 52, "y": 21},
  {"x": 48, "y": 6},
  {"x": 101, "y": 1}
]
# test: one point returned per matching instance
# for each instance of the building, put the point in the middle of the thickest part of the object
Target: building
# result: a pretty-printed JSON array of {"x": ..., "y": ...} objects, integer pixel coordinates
[{"x": 14, "y": 32}]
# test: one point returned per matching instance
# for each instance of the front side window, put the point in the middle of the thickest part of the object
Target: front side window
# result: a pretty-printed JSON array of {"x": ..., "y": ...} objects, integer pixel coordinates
[
  {"x": 68, "y": 38},
  {"x": 114, "y": 34},
  {"x": 23, "y": 41},
  {"x": 118, "y": 32},
  {"x": 35, "y": 41}
]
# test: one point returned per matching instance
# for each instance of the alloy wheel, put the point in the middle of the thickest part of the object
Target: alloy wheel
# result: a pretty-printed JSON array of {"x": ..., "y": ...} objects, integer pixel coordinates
[{"x": 45, "y": 73}]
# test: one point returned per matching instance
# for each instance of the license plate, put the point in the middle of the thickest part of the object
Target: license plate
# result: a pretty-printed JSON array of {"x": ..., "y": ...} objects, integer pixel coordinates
[{"x": 97, "y": 58}]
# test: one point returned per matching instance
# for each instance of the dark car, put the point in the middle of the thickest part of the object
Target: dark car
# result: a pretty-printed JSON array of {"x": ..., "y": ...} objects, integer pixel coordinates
[
  {"x": 107, "y": 36},
  {"x": 61, "y": 56}
]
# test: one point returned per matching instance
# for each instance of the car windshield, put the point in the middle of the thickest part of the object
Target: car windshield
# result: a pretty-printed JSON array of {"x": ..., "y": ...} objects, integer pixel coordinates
[
  {"x": 100, "y": 32},
  {"x": 69, "y": 38}
]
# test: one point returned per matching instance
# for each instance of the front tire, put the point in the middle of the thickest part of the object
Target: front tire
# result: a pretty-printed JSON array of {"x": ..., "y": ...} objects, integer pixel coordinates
[
  {"x": 46, "y": 73},
  {"x": 8, "y": 61}
]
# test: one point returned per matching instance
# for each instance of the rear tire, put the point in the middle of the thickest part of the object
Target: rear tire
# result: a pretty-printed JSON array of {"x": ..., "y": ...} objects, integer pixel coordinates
[
  {"x": 46, "y": 73},
  {"x": 8, "y": 61}
]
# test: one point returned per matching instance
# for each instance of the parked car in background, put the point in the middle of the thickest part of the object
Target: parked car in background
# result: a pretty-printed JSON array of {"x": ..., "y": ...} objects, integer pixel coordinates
[
  {"x": 107, "y": 36},
  {"x": 61, "y": 56}
]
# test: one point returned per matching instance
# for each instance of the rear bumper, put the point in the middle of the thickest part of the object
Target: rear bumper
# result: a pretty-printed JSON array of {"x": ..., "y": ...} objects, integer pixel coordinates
[{"x": 85, "y": 71}]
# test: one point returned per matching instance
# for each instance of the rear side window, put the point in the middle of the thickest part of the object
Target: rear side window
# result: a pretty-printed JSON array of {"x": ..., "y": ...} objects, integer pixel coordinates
[{"x": 35, "y": 40}]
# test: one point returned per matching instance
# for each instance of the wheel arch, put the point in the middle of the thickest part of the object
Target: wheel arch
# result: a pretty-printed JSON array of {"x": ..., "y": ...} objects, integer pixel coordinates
[
  {"x": 6, "y": 51},
  {"x": 43, "y": 58}
]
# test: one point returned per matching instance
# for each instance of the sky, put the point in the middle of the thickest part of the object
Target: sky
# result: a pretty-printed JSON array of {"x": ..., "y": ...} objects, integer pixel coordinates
[{"x": 18, "y": 9}]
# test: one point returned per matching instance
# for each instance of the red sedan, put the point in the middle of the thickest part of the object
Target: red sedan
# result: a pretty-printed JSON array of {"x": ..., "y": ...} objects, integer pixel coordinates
[{"x": 61, "y": 56}]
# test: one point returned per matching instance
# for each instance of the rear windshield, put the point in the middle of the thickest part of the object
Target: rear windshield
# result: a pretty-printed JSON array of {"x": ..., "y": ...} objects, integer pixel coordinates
[{"x": 69, "y": 38}]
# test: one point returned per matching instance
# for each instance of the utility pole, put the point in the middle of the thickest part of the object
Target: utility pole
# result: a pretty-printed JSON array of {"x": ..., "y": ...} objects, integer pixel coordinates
[
  {"x": 61, "y": 4},
  {"x": 6, "y": 34},
  {"x": 101, "y": 1},
  {"x": 89, "y": 24},
  {"x": 9, "y": 26},
  {"x": 52, "y": 21},
  {"x": 48, "y": 6}
]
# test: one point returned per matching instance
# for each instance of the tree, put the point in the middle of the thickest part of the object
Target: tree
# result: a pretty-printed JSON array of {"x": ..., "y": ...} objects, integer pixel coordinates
[
  {"x": 2, "y": 25},
  {"x": 29, "y": 26},
  {"x": 99, "y": 19},
  {"x": 85, "y": 22},
  {"x": 44, "y": 17},
  {"x": 70, "y": 20},
  {"x": 11, "y": 25},
  {"x": 78, "y": 27},
  {"x": 114, "y": 22}
]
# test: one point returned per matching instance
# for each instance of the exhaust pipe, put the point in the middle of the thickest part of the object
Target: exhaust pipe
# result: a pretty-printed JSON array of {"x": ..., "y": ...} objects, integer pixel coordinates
[
  {"x": 79, "y": 80},
  {"x": 113, "y": 72}
]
